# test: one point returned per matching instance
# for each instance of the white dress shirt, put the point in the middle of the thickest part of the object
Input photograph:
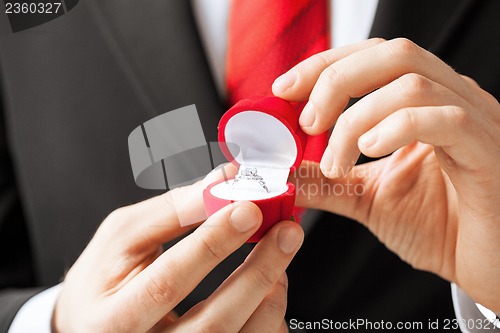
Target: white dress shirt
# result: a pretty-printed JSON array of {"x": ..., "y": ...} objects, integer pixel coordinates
[{"x": 351, "y": 21}]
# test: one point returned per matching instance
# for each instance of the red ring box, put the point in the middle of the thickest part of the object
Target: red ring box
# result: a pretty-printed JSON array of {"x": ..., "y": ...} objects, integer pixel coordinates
[{"x": 261, "y": 133}]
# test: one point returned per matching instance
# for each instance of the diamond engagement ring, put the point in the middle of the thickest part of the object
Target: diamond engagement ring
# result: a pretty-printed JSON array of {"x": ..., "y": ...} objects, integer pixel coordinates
[{"x": 250, "y": 174}]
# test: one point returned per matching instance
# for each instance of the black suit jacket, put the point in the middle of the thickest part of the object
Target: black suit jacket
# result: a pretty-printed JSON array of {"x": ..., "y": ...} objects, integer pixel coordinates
[{"x": 74, "y": 88}]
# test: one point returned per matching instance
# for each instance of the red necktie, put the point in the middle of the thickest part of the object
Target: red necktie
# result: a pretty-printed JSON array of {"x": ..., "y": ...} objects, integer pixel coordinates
[{"x": 267, "y": 38}]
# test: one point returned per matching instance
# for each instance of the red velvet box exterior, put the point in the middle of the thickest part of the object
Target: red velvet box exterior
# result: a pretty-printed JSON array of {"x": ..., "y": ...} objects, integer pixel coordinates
[{"x": 279, "y": 207}]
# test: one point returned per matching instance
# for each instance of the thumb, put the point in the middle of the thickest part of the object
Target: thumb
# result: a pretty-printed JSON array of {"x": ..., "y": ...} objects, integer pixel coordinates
[{"x": 350, "y": 196}]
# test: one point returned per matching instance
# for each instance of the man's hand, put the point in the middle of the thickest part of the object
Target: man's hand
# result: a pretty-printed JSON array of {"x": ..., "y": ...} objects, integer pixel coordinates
[
  {"x": 436, "y": 200},
  {"x": 124, "y": 283}
]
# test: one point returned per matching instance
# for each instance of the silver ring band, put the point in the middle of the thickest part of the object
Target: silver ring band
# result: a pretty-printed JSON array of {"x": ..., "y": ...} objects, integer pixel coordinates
[{"x": 250, "y": 174}]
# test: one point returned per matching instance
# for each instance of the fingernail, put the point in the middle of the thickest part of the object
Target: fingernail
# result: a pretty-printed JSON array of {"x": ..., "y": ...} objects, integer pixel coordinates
[
  {"x": 285, "y": 81},
  {"x": 288, "y": 239},
  {"x": 326, "y": 161},
  {"x": 243, "y": 218},
  {"x": 368, "y": 139},
  {"x": 307, "y": 116}
]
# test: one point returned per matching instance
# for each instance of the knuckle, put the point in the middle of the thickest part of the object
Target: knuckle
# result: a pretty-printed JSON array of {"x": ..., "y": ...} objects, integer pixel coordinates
[
  {"x": 470, "y": 80},
  {"x": 459, "y": 117},
  {"x": 407, "y": 121},
  {"x": 207, "y": 324},
  {"x": 344, "y": 127},
  {"x": 285, "y": 283},
  {"x": 330, "y": 76},
  {"x": 161, "y": 291},
  {"x": 317, "y": 62},
  {"x": 489, "y": 99},
  {"x": 378, "y": 40},
  {"x": 321, "y": 60},
  {"x": 118, "y": 214},
  {"x": 276, "y": 305},
  {"x": 115, "y": 220},
  {"x": 213, "y": 246},
  {"x": 414, "y": 85},
  {"x": 344, "y": 121},
  {"x": 402, "y": 48},
  {"x": 260, "y": 277}
]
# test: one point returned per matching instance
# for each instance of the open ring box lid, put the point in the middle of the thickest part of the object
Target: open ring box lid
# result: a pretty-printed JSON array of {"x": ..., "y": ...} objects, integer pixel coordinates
[{"x": 261, "y": 133}]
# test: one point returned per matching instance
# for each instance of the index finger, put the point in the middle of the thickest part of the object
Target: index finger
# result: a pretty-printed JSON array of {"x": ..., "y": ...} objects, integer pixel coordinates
[
  {"x": 171, "y": 277},
  {"x": 367, "y": 70},
  {"x": 157, "y": 220},
  {"x": 296, "y": 84}
]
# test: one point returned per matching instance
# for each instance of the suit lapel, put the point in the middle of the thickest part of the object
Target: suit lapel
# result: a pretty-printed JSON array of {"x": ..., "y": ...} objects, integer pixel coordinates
[
  {"x": 161, "y": 53},
  {"x": 437, "y": 21},
  {"x": 158, "y": 47}
]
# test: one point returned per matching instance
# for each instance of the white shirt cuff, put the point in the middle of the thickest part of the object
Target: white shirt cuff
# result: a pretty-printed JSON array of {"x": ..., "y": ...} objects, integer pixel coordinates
[
  {"x": 472, "y": 317},
  {"x": 35, "y": 315}
]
